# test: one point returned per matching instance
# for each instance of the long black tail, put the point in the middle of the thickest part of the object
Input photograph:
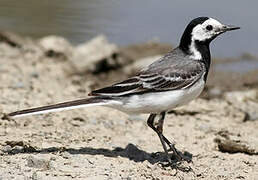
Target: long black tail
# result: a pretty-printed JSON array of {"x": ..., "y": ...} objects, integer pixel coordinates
[{"x": 95, "y": 101}]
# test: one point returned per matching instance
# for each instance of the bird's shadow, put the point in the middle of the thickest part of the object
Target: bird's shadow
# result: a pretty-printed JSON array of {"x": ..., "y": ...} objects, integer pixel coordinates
[{"x": 131, "y": 152}]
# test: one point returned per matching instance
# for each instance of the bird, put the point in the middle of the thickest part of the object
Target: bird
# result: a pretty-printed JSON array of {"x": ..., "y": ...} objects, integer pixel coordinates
[{"x": 175, "y": 79}]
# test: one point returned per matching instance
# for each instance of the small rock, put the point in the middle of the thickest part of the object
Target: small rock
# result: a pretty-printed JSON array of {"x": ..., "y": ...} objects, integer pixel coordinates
[
  {"x": 228, "y": 142},
  {"x": 37, "y": 162},
  {"x": 16, "y": 150},
  {"x": 6, "y": 148},
  {"x": 20, "y": 147}
]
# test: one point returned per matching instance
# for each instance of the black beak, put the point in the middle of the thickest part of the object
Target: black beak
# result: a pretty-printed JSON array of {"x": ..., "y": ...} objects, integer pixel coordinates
[{"x": 229, "y": 28}]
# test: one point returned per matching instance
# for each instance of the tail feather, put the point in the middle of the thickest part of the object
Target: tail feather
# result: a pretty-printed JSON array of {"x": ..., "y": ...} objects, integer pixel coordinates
[{"x": 60, "y": 107}]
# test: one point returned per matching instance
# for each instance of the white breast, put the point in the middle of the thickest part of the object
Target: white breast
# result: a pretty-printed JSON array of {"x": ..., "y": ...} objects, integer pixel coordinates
[{"x": 157, "y": 102}]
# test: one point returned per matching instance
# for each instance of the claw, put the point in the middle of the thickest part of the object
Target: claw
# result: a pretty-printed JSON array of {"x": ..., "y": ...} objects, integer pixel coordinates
[{"x": 177, "y": 166}]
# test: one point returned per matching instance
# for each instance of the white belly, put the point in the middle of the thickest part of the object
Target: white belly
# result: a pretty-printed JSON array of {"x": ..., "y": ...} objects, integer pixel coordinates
[{"x": 158, "y": 101}]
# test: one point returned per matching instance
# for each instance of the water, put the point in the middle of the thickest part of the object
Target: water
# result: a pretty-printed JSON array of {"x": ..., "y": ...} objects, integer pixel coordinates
[{"x": 126, "y": 22}]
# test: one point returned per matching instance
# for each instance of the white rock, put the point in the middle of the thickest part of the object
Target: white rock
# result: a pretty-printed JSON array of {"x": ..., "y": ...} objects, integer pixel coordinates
[
  {"x": 88, "y": 54},
  {"x": 57, "y": 44}
]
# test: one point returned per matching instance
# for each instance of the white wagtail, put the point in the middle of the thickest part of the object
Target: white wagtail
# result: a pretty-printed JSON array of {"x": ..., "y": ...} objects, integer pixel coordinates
[{"x": 175, "y": 79}]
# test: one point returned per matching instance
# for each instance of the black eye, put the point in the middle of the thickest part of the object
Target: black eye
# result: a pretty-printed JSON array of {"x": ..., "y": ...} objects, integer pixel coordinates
[{"x": 209, "y": 27}]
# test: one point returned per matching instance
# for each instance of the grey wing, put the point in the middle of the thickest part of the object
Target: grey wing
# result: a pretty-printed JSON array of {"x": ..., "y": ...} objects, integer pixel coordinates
[
  {"x": 172, "y": 77},
  {"x": 165, "y": 74}
]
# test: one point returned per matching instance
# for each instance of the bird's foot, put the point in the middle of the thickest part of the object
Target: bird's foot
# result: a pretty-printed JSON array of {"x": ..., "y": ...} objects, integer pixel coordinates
[
  {"x": 177, "y": 166},
  {"x": 178, "y": 155},
  {"x": 178, "y": 159}
]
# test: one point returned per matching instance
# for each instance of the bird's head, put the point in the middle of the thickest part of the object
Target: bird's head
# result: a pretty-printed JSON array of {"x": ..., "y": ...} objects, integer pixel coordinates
[{"x": 202, "y": 30}]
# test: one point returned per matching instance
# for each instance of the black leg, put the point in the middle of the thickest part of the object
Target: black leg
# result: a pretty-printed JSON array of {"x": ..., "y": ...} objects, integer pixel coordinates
[
  {"x": 158, "y": 130},
  {"x": 163, "y": 139}
]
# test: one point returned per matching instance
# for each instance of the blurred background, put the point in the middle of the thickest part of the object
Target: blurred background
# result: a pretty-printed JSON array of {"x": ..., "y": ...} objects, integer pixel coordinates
[{"x": 130, "y": 22}]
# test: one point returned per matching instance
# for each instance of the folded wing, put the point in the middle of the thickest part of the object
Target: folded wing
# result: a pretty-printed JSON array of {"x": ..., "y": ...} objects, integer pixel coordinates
[{"x": 162, "y": 75}]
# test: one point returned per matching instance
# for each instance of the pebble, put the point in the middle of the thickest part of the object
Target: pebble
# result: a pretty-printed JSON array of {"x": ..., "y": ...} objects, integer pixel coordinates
[
  {"x": 17, "y": 150},
  {"x": 6, "y": 148},
  {"x": 228, "y": 142},
  {"x": 36, "y": 162}
]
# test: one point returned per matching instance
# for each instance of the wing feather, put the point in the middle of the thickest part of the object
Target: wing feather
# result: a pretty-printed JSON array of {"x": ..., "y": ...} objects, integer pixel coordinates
[{"x": 168, "y": 73}]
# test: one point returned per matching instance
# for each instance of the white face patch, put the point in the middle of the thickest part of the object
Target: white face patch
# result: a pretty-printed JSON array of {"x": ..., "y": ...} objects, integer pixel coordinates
[{"x": 201, "y": 33}]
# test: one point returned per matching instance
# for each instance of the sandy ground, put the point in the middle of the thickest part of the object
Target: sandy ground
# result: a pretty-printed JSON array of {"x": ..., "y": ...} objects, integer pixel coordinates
[{"x": 219, "y": 134}]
